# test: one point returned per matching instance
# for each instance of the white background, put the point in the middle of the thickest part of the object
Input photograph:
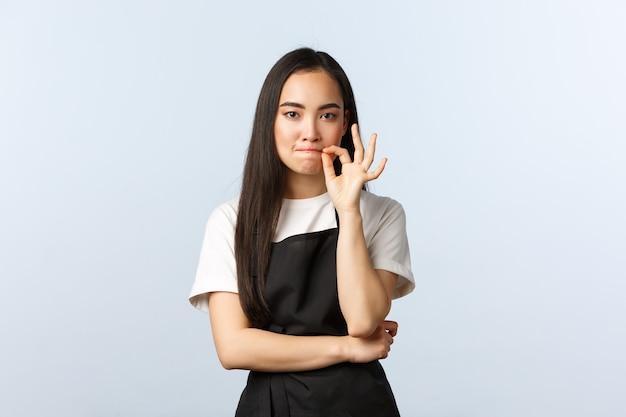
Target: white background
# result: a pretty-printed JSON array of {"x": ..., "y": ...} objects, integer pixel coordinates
[{"x": 124, "y": 123}]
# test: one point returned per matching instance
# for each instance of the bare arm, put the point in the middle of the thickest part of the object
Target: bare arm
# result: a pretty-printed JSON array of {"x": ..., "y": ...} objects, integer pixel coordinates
[
  {"x": 241, "y": 347},
  {"x": 364, "y": 293}
]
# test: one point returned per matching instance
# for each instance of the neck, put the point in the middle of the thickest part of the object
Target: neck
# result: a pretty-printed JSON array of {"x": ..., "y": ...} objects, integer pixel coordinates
[{"x": 304, "y": 186}]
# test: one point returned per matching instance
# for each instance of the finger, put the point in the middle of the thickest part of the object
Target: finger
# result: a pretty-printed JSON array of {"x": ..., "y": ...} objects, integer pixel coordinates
[
  {"x": 358, "y": 144},
  {"x": 385, "y": 350},
  {"x": 379, "y": 170},
  {"x": 391, "y": 327},
  {"x": 328, "y": 167},
  {"x": 371, "y": 150},
  {"x": 389, "y": 324},
  {"x": 341, "y": 153}
]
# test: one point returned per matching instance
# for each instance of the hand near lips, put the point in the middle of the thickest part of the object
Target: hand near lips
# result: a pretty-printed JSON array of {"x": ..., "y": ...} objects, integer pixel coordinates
[{"x": 345, "y": 189}]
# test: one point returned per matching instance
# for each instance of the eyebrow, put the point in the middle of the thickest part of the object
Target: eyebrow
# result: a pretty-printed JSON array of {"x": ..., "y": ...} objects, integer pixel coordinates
[{"x": 300, "y": 106}]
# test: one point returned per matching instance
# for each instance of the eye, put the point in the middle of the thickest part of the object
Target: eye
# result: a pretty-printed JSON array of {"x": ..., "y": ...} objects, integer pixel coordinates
[
  {"x": 329, "y": 116},
  {"x": 291, "y": 114}
]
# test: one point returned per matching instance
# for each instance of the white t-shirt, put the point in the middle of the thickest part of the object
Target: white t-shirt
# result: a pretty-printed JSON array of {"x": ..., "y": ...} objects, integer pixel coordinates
[{"x": 384, "y": 227}]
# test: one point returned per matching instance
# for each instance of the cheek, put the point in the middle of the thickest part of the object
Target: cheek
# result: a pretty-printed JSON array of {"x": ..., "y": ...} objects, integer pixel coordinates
[
  {"x": 337, "y": 134},
  {"x": 278, "y": 132},
  {"x": 282, "y": 130},
  {"x": 282, "y": 140}
]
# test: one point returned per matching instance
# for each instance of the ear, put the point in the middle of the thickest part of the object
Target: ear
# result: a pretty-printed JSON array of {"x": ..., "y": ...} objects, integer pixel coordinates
[{"x": 346, "y": 121}]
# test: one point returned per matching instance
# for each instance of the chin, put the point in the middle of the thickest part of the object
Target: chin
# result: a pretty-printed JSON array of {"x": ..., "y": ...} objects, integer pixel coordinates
[
  {"x": 308, "y": 171},
  {"x": 311, "y": 172},
  {"x": 312, "y": 168}
]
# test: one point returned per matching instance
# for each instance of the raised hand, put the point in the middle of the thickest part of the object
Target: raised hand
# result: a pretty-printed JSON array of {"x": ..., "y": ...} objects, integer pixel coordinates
[{"x": 345, "y": 189}]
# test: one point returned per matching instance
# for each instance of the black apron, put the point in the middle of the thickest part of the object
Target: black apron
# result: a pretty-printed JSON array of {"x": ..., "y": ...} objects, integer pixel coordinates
[{"x": 301, "y": 292}]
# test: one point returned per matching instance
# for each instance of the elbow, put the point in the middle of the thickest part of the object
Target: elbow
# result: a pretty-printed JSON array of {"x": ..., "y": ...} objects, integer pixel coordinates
[
  {"x": 361, "y": 328},
  {"x": 227, "y": 363},
  {"x": 364, "y": 324},
  {"x": 228, "y": 360}
]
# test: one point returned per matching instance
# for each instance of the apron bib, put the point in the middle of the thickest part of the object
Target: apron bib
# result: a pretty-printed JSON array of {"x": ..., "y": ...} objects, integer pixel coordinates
[{"x": 301, "y": 292}]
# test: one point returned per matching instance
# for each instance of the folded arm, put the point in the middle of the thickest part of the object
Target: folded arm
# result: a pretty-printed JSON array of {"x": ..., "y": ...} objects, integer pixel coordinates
[{"x": 241, "y": 347}]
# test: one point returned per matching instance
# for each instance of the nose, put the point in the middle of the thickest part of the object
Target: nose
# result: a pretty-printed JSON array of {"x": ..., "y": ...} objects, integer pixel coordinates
[{"x": 311, "y": 132}]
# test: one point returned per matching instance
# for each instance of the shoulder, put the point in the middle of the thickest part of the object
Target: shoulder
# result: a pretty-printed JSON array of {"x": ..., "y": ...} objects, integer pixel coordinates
[
  {"x": 384, "y": 227},
  {"x": 375, "y": 205},
  {"x": 228, "y": 208},
  {"x": 216, "y": 267},
  {"x": 224, "y": 214},
  {"x": 381, "y": 215}
]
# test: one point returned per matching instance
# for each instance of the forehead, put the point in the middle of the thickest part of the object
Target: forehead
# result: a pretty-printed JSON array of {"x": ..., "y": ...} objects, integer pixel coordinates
[{"x": 316, "y": 85}]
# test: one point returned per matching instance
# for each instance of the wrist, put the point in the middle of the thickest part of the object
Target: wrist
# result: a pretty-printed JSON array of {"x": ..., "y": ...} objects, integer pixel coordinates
[
  {"x": 345, "y": 351},
  {"x": 350, "y": 215}
]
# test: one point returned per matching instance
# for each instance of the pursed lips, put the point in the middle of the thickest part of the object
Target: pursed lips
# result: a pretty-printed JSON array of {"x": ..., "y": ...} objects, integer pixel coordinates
[{"x": 308, "y": 150}]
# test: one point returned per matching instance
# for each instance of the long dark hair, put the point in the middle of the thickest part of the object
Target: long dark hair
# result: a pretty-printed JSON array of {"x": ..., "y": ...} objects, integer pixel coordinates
[{"x": 263, "y": 183}]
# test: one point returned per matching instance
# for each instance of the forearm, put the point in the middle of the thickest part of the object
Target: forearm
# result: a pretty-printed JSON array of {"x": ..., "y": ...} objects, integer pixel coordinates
[
  {"x": 363, "y": 297},
  {"x": 239, "y": 346},
  {"x": 262, "y": 350}
]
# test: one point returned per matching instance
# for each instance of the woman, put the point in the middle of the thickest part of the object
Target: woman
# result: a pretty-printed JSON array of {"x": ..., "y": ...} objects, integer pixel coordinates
[{"x": 298, "y": 274}]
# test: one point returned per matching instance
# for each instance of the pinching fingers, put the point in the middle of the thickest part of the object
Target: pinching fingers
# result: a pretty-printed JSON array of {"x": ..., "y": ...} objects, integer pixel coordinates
[
  {"x": 327, "y": 166},
  {"x": 341, "y": 153}
]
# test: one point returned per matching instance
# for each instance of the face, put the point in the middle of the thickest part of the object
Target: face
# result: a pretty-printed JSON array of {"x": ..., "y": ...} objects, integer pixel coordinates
[{"x": 310, "y": 117}]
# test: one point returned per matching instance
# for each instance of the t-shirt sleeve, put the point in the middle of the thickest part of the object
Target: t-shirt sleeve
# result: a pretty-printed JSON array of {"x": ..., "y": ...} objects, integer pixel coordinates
[
  {"x": 389, "y": 246},
  {"x": 217, "y": 270}
]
